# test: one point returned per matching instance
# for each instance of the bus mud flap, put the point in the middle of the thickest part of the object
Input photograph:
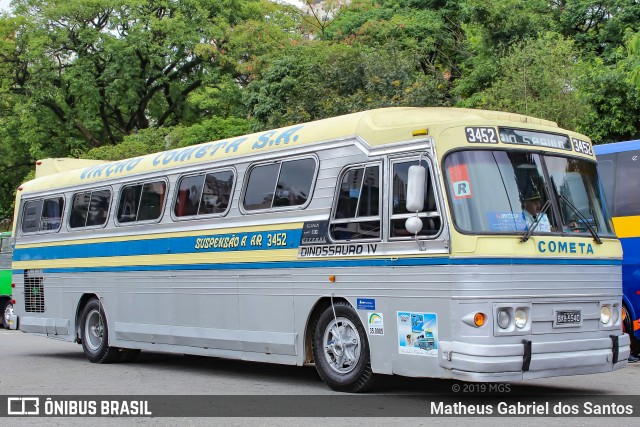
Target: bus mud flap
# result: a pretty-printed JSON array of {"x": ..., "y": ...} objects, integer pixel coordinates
[
  {"x": 616, "y": 348},
  {"x": 526, "y": 358}
]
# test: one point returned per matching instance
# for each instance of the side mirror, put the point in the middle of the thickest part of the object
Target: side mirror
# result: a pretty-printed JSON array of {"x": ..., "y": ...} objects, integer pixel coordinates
[{"x": 415, "y": 188}]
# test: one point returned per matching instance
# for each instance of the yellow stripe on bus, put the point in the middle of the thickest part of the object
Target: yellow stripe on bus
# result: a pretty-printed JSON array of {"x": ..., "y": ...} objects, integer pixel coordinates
[
  {"x": 168, "y": 259},
  {"x": 627, "y": 226}
]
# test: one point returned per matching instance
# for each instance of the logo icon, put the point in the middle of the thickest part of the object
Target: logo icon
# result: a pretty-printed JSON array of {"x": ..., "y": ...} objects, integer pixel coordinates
[{"x": 23, "y": 406}]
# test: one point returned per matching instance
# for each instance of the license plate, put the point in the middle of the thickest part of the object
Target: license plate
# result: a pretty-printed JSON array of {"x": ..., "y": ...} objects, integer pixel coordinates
[{"x": 568, "y": 317}]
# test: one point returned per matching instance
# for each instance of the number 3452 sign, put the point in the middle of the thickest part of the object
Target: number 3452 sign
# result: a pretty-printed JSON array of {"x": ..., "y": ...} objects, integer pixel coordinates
[{"x": 481, "y": 134}]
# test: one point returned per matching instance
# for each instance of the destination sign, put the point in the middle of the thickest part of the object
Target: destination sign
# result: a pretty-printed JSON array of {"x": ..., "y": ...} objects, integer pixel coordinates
[{"x": 540, "y": 139}]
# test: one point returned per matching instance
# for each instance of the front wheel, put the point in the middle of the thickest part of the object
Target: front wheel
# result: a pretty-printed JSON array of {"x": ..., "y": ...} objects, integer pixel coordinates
[
  {"x": 7, "y": 311},
  {"x": 341, "y": 349},
  {"x": 95, "y": 334}
]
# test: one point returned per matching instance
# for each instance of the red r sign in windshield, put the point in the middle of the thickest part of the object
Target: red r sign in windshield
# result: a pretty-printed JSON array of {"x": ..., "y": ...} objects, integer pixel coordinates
[{"x": 459, "y": 178}]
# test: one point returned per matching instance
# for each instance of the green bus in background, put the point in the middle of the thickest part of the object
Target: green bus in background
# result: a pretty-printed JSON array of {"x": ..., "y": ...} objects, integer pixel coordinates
[{"x": 6, "y": 307}]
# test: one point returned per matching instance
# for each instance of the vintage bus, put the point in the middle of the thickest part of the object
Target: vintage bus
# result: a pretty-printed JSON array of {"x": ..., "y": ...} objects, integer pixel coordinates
[
  {"x": 423, "y": 242},
  {"x": 619, "y": 168},
  {"x": 6, "y": 252}
]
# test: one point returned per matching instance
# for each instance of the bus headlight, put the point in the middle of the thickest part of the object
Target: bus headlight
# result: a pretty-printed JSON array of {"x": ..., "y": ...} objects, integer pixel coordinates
[
  {"x": 521, "y": 318},
  {"x": 616, "y": 314},
  {"x": 504, "y": 318},
  {"x": 605, "y": 314}
]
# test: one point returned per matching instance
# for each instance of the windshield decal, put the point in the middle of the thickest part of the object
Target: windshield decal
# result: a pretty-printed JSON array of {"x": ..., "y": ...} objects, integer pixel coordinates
[{"x": 459, "y": 177}]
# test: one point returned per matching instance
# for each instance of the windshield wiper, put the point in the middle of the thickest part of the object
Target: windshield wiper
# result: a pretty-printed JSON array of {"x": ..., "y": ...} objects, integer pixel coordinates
[
  {"x": 582, "y": 218},
  {"x": 539, "y": 215}
]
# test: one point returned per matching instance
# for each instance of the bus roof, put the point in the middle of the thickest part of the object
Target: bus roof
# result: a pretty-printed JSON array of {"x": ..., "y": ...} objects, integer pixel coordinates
[
  {"x": 373, "y": 127},
  {"x": 46, "y": 167},
  {"x": 617, "y": 147}
]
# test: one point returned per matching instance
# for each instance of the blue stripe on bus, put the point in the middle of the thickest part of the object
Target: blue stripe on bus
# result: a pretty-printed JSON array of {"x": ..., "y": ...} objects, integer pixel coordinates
[
  {"x": 631, "y": 250},
  {"x": 616, "y": 147},
  {"x": 174, "y": 245},
  {"x": 384, "y": 262}
]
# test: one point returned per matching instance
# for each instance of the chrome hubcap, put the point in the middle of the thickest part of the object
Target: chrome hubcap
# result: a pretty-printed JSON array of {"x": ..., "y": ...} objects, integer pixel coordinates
[
  {"x": 94, "y": 330},
  {"x": 8, "y": 311},
  {"x": 342, "y": 345}
]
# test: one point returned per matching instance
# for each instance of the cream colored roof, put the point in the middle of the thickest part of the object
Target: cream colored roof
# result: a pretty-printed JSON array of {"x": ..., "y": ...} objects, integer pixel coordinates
[{"x": 374, "y": 127}]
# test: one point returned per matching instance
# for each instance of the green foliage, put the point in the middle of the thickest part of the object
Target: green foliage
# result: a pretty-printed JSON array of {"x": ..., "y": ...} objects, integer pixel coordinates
[
  {"x": 614, "y": 102},
  {"x": 537, "y": 77},
  {"x": 427, "y": 32},
  {"x": 211, "y": 129},
  {"x": 100, "y": 70},
  {"x": 143, "y": 142},
  {"x": 311, "y": 82},
  {"x": 634, "y": 57},
  {"x": 596, "y": 26},
  {"x": 501, "y": 24}
]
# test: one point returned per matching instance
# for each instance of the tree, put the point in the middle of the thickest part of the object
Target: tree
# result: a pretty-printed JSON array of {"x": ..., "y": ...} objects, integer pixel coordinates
[
  {"x": 322, "y": 79},
  {"x": 614, "y": 113},
  {"x": 428, "y": 32},
  {"x": 77, "y": 75},
  {"x": 537, "y": 77},
  {"x": 596, "y": 26},
  {"x": 634, "y": 57},
  {"x": 99, "y": 70}
]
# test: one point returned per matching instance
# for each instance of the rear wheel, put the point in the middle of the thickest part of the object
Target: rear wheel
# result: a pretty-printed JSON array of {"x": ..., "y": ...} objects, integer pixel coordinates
[
  {"x": 627, "y": 327},
  {"x": 341, "y": 349},
  {"x": 95, "y": 334},
  {"x": 6, "y": 309}
]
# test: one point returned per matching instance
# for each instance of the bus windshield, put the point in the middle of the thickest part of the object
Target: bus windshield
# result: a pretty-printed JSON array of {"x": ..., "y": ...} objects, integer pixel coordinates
[{"x": 508, "y": 191}]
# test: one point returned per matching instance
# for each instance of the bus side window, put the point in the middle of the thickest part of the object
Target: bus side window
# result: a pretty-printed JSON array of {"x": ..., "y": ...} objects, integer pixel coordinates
[
  {"x": 141, "y": 202},
  {"x": 89, "y": 208},
  {"x": 42, "y": 215},
  {"x": 98, "y": 207},
  {"x": 431, "y": 221},
  {"x": 31, "y": 213},
  {"x": 79, "y": 209},
  {"x": 627, "y": 183},
  {"x": 216, "y": 195},
  {"x": 204, "y": 194},
  {"x": 607, "y": 174},
  {"x": 281, "y": 184},
  {"x": 356, "y": 212},
  {"x": 151, "y": 201}
]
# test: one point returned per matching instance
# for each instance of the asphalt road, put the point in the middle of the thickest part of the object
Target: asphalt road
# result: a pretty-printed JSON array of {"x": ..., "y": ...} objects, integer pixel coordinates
[{"x": 39, "y": 366}]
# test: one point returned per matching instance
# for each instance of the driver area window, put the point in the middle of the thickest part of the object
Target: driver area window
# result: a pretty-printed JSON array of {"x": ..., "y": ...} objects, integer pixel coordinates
[
  {"x": 431, "y": 220},
  {"x": 356, "y": 212}
]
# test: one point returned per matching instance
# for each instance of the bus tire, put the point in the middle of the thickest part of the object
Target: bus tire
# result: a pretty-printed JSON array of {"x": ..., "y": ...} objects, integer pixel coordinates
[
  {"x": 341, "y": 353},
  {"x": 6, "y": 308},
  {"x": 627, "y": 327},
  {"x": 95, "y": 334}
]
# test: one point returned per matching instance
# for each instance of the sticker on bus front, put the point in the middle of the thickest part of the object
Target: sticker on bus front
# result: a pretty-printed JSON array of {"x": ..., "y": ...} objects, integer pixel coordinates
[
  {"x": 376, "y": 323},
  {"x": 366, "y": 304},
  {"x": 418, "y": 333},
  {"x": 460, "y": 182}
]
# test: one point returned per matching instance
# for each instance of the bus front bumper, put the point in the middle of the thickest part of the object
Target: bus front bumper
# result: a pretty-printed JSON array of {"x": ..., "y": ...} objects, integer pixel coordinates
[{"x": 529, "y": 360}]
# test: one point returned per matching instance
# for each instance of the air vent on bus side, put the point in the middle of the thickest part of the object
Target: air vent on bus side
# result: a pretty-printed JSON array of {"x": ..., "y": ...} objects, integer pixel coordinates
[{"x": 33, "y": 291}]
